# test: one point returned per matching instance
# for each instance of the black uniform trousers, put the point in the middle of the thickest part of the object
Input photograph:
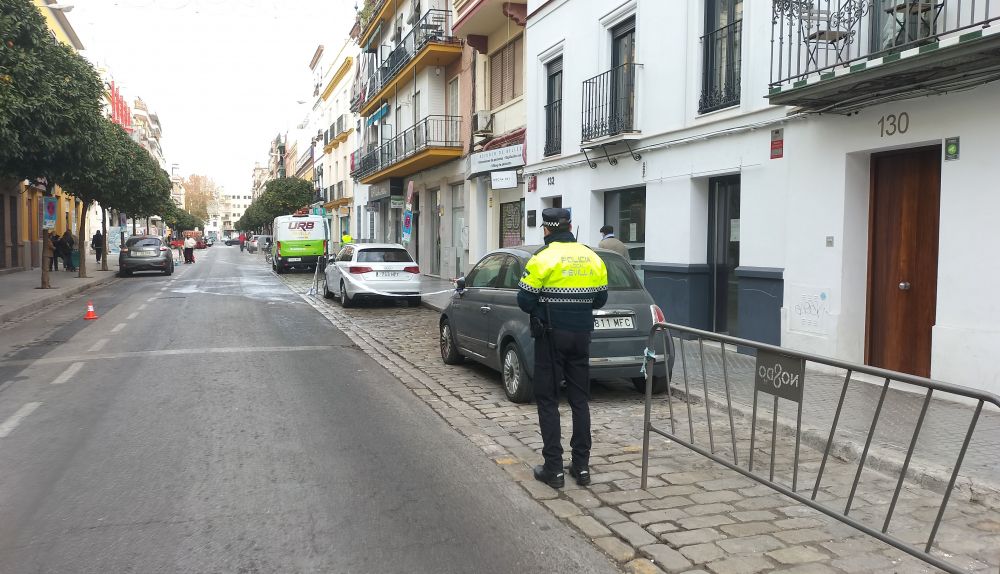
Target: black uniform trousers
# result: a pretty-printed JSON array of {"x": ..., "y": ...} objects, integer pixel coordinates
[{"x": 563, "y": 355}]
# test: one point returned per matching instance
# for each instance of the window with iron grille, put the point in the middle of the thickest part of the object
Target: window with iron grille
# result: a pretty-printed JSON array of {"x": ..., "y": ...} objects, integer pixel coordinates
[
  {"x": 506, "y": 73},
  {"x": 553, "y": 107},
  {"x": 721, "y": 58}
]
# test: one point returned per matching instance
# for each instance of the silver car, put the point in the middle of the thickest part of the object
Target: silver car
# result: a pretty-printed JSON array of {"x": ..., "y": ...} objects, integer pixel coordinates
[
  {"x": 145, "y": 253},
  {"x": 372, "y": 271},
  {"x": 482, "y": 322}
]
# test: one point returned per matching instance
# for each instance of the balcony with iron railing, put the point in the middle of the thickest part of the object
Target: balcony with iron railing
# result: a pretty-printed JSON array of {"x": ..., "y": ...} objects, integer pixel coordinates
[
  {"x": 609, "y": 103},
  {"x": 432, "y": 141},
  {"x": 553, "y": 128},
  {"x": 841, "y": 55},
  {"x": 371, "y": 13},
  {"x": 720, "y": 83},
  {"x": 428, "y": 43}
]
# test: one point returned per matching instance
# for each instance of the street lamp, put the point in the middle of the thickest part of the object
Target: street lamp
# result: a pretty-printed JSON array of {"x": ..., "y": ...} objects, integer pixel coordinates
[{"x": 57, "y": 6}]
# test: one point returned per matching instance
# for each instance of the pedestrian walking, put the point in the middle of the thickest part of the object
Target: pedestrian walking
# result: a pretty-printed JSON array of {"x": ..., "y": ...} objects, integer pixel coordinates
[
  {"x": 67, "y": 243},
  {"x": 189, "y": 245},
  {"x": 97, "y": 244},
  {"x": 243, "y": 241},
  {"x": 562, "y": 283},
  {"x": 611, "y": 242}
]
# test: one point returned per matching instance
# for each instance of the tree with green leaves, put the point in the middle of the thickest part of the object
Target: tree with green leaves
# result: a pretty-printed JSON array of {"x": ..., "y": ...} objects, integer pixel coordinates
[
  {"x": 281, "y": 196},
  {"x": 50, "y": 98}
]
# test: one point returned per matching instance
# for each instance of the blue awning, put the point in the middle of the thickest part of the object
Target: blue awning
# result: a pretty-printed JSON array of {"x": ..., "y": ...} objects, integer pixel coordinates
[{"x": 382, "y": 111}]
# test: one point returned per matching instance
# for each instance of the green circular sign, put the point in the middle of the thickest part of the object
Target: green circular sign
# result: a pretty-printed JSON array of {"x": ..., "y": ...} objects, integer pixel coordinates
[{"x": 952, "y": 149}]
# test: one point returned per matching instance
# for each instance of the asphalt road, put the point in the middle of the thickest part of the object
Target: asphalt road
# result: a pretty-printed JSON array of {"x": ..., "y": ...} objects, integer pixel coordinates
[{"x": 213, "y": 422}]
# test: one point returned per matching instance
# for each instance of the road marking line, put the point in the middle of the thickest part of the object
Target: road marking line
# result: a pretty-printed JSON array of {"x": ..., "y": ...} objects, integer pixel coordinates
[
  {"x": 142, "y": 307},
  {"x": 118, "y": 327},
  {"x": 98, "y": 345},
  {"x": 151, "y": 299},
  {"x": 10, "y": 424},
  {"x": 170, "y": 352},
  {"x": 68, "y": 373},
  {"x": 132, "y": 315}
]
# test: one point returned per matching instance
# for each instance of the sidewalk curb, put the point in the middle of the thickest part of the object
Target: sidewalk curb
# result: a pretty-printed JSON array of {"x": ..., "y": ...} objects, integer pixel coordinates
[
  {"x": 58, "y": 294},
  {"x": 932, "y": 477}
]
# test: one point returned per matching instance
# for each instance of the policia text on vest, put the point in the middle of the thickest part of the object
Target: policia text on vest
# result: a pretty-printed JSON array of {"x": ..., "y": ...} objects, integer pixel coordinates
[{"x": 562, "y": 284}]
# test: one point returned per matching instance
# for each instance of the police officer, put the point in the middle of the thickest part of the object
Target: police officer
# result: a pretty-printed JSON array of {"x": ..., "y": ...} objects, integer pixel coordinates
[{"x": 561, "y": 285}]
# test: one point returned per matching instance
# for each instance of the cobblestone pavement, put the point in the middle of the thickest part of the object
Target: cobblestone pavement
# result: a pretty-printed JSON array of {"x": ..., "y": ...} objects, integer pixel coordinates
[{"x": 695, "y": 516}]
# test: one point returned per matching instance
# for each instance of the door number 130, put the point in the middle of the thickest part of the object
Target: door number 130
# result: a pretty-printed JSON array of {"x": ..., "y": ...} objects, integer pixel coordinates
[{"x": 893, "y": 124}]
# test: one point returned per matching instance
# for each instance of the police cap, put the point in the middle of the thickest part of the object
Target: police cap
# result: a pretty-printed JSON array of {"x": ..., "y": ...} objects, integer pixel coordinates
[{"x": 555, "y": 217}]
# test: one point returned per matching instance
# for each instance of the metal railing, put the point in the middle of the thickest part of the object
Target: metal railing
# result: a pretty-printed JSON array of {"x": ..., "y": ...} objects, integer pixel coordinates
[
  {"x": 370, "y": 9},
  {"x": 433, "y": 26},
  {"x": 781, "y": 373},
  {"x": 720, "y": 84},
  {"x": 553, "y": 128},
  {"x": 432, "y": 131},
  {"x": 811, "y": 36},
  {"x": 609, "y": 103}
]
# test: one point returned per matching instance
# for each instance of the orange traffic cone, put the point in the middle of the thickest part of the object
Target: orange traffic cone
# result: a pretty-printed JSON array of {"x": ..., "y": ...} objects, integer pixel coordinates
[{"x": 90, "y": 311}]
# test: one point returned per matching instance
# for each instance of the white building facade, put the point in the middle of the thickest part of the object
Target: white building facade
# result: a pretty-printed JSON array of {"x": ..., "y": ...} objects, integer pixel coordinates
[{"x": 781, "y": 174}]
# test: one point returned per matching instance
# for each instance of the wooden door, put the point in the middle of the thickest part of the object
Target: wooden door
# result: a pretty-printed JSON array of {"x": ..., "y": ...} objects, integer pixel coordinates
[{"x": 903, "y": 259}]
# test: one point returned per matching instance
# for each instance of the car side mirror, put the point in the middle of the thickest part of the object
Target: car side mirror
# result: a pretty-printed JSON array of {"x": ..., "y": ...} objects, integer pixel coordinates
[{"x": 460, "y": 284}]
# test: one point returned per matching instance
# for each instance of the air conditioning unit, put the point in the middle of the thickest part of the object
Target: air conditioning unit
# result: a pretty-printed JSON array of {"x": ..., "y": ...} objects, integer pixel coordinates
[{"x": 482, "y": 123}]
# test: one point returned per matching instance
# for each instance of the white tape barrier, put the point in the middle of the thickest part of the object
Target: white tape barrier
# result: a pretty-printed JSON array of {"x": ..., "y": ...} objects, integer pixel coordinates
[{"x": 368, "y": 289}]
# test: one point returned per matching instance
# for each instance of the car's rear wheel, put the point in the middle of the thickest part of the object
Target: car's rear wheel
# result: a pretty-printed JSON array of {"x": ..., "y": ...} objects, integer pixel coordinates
[
  {"x": 169, "y": 270},
  {"x": 516, "y": 384},
  {"x": 345, "y": 299},
  {"x": 449, "y": 352},
  {"x": 659, "y": 385}
]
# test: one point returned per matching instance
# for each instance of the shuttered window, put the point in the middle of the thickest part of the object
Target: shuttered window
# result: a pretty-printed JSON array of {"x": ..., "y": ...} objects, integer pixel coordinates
[{"x": 506, "y": 73}]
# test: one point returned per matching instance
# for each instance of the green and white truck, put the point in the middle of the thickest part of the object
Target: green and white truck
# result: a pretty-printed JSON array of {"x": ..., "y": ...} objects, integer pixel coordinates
[{"x": 299, "y": 242}]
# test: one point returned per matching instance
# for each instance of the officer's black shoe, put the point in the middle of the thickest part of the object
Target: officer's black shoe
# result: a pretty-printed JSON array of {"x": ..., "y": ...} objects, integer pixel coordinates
[
  {"x": 553, "y": 479},
  {"x": 581, "y": 474}
]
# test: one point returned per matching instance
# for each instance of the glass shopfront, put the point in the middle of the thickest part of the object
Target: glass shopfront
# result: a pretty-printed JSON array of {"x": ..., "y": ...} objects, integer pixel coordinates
[{"x": 625, "y": 210}]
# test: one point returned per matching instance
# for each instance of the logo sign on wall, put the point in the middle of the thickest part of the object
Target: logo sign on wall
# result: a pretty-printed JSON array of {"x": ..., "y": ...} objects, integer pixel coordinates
[
  {"x": 49, "y": 212},
  {"x": 503, "y": 179}
]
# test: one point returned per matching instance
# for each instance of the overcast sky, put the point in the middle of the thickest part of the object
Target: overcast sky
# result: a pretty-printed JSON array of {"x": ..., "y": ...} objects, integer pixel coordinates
[{"x": 224, "y": 76}]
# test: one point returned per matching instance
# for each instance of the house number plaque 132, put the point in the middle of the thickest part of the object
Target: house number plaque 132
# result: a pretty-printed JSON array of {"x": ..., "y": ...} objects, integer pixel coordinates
[{"x": 892, "y": 124}]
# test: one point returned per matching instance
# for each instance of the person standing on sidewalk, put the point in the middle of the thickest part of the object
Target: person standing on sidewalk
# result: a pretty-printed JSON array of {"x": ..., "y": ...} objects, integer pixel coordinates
[
  {"x": 611, "y": 242},
  {"x": 67, "y": 243},
  {"x": 562, "y": 283},
  {"x": 243, "y": 241},
  {"x": 53, "y": 250},
  {"x": 97, "y": 244}
]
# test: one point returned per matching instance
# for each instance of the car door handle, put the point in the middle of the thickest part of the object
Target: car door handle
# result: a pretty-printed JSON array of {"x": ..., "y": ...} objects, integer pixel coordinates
[{"x": 485, "y": 309}]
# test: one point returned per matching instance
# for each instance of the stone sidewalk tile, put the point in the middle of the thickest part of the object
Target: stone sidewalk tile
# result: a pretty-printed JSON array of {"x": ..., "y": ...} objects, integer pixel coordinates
[
  {"x": 642, "y": 566},
  {"x": 717, "y": 520}
]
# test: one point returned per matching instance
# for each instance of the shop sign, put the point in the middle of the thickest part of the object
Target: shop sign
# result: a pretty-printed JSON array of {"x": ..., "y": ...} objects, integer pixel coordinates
[
  {"x": 397, "y": 202},
  {"x": 951, "y": 149},
  {"x": 344, "y": 211},
  {"x": 503, "y": 179},
  {"x": 408, "y": 214},
  {"x": 497, "y": 159}
]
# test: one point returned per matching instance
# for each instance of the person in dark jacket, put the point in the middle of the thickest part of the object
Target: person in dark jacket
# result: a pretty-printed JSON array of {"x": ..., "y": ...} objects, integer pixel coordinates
[
  {"x": 562, "y": 284},
  {"x": 67, "y": 243},
  {"x": 56, "y": 250},
  {"x": 97, "y": 243}
]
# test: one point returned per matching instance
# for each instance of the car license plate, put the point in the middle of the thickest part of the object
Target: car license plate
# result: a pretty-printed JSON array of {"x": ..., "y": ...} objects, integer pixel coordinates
[
  {"x": 605, "y": 323},
  {"x": 144, "y": 253},
  {"x": 294, "y": 259},
  {"x": 387, "y": 274}
]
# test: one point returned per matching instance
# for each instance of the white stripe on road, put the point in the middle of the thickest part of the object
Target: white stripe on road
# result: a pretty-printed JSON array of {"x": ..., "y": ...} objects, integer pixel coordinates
[
  {"x": 151, "y": 299},
  {"x": 10, "y": 424},
  {"x": 118, "y": 327},
  {"x": 98, "y": 345},
  {"x": 68, "y": 373},
  {"x": 142, "y": 307},
  {"x": 169, "y": 352},
  {"x": 133, "y": 316}
]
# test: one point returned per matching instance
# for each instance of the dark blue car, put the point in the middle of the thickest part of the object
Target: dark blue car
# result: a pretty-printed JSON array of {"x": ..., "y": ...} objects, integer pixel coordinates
[{"x": 482, "y": 322}]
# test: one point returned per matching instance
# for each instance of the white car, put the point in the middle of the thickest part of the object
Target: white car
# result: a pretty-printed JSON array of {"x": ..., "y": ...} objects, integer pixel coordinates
[{"x": 372, "y": 271}]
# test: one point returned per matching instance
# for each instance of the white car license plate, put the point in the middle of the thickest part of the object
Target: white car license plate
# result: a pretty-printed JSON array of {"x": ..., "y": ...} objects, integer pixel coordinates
[
  {"x": 604, "y": 323},
  {"x": 294, "y": 259},
  {"x": 144, "y": 253},
  {"x": 387, "y": 274}
]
